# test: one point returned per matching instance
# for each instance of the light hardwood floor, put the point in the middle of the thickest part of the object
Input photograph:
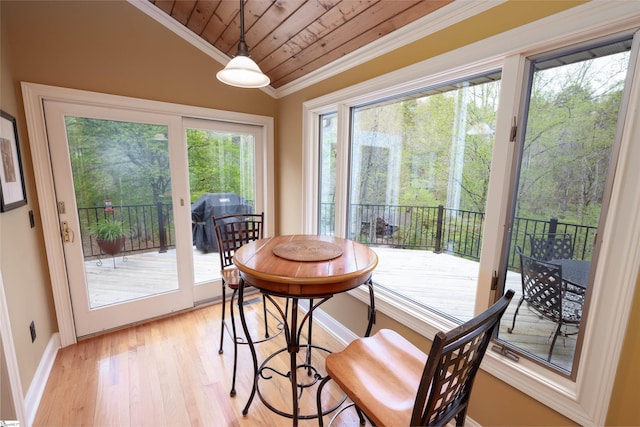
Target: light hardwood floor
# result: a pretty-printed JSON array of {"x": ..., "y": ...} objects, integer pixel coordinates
[
  {"x": 440, "y": 281},
  {"x": 168, "y": 373}
]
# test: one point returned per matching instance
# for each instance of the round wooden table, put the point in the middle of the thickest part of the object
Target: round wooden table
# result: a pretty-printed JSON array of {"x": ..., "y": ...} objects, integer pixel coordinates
[{"x": 302, "y": 267}]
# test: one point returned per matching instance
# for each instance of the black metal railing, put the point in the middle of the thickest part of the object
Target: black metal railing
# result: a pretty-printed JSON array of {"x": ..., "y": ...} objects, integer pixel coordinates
[
  {"x": 454, "y": 231},
  {"x": 148, "y": 227},
  {"x": 446, "y": 230},
  {"x": 583, "y": 236}
]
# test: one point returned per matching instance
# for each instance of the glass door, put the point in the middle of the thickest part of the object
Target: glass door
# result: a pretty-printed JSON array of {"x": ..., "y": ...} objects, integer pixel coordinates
[
  {"x": 123, "y": 214},
  {"x": 223, "y": 161}
]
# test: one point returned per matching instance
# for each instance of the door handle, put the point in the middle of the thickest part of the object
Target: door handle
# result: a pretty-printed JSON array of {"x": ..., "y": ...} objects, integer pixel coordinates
[{"x": 67, "y": 233}]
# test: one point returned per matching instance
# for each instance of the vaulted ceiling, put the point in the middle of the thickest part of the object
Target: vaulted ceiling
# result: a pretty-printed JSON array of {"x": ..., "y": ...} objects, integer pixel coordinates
[{"x": 291, "y": 38}]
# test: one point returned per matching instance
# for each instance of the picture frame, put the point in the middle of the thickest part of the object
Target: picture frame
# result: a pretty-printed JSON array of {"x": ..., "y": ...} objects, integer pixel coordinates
[{"x": 12, "y": 191}]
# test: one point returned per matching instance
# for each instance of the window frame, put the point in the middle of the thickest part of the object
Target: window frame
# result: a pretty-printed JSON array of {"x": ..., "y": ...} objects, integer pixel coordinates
[
  {"x": 614, "y": 158},
  {"x": 586, "y": 399}
]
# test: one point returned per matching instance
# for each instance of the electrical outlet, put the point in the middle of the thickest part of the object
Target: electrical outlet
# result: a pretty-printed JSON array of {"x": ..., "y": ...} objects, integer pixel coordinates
[{"x": 32, "y": 329}]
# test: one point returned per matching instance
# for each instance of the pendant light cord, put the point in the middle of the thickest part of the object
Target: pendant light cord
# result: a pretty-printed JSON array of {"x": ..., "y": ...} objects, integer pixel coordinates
[{"x": 243, "y": 49}]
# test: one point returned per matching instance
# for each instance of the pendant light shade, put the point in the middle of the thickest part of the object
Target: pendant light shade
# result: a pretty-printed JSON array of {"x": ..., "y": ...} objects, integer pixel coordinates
[{"x": 242, "y": 71}]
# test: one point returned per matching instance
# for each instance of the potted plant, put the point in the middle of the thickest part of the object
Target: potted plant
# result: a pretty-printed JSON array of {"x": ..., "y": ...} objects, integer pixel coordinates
[{"x": 110, "y": 235}]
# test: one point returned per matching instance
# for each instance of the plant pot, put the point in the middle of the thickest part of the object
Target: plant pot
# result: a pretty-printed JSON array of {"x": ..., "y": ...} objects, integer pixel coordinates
[{"x": 111, "y": 247}]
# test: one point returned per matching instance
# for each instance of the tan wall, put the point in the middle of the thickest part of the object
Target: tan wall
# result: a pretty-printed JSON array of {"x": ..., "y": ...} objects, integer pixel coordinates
[
  {"x": 22, "y": 261},
  {"x": 112, "y": 47},
  {"x": 100, "y": 46}
]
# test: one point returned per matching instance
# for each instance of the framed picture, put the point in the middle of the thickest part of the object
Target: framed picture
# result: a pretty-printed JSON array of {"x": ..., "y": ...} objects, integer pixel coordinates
[{"x": 12, "y": 193}]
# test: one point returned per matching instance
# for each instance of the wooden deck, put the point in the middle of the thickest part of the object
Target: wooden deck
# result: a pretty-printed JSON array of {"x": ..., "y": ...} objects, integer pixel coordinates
[{"x": 442, "y": 282}]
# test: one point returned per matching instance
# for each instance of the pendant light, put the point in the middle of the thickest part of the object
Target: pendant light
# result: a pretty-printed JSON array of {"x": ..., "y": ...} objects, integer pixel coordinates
[{"x": 242, "y": 71}]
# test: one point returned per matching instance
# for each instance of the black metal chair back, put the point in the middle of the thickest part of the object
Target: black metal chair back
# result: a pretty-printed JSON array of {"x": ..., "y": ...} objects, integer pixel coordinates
[
  {"x": 546, "y": 247},
  {"x": 452, "y": 365},
  {"x": 234, "y": 231},
  {"x": 542, "y": 287}
]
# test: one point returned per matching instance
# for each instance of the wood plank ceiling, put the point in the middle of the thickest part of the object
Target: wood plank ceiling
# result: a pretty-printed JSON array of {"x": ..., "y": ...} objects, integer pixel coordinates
[{"x": 291, "y": 38}]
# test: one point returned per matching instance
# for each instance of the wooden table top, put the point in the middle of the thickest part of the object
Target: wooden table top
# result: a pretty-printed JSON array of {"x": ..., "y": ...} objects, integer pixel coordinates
[{"x": 272, "y": 273}]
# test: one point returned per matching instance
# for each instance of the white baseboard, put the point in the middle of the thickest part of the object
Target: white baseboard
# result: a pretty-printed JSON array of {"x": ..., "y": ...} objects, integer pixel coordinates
[
  {"x": 36, "y": 389},
  {"x": 345, "y": 335}
]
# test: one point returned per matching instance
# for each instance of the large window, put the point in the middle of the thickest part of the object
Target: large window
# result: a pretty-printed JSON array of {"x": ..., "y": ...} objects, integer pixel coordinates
[
  {"x": 451, "y": 170},
  {"x": 419, "y": 174},
  {"x": 573, "y": 104},
  {"x": 419, "y": 169}
]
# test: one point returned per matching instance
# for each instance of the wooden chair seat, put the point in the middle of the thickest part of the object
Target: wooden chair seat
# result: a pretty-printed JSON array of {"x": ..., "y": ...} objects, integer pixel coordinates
[
  {"x": 231, "y": 277},
  {"x": 389, "y": 369}
]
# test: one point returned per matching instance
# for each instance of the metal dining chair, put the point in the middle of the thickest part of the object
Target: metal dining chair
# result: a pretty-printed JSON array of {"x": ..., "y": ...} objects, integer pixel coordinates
[
  {"x": 393, "y": 383},
  {"x": 232, "y": 232},
  {"x": 549, "y": 295}
]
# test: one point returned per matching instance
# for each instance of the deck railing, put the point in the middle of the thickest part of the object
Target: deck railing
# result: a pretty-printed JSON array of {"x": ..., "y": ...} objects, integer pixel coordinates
[
  {"x": 454, "y": 231},
  {"x": 441, "y": 229},
  {"x": 148, "y": 226}
]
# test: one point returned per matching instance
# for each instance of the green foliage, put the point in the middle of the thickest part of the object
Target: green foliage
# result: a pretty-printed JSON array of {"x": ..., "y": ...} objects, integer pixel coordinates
[
  {"x": 441, "y": 140},
  {"x": 219, "y": 162},
  {"x": 108, "y": 229},
  {"x": 444, "y": 139},
  {"x": 125, "y": 162},
  {"x": 424, "y": 150},
  {"x": 570, "y": 131},
  {"x": 128, "y": 163}
]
